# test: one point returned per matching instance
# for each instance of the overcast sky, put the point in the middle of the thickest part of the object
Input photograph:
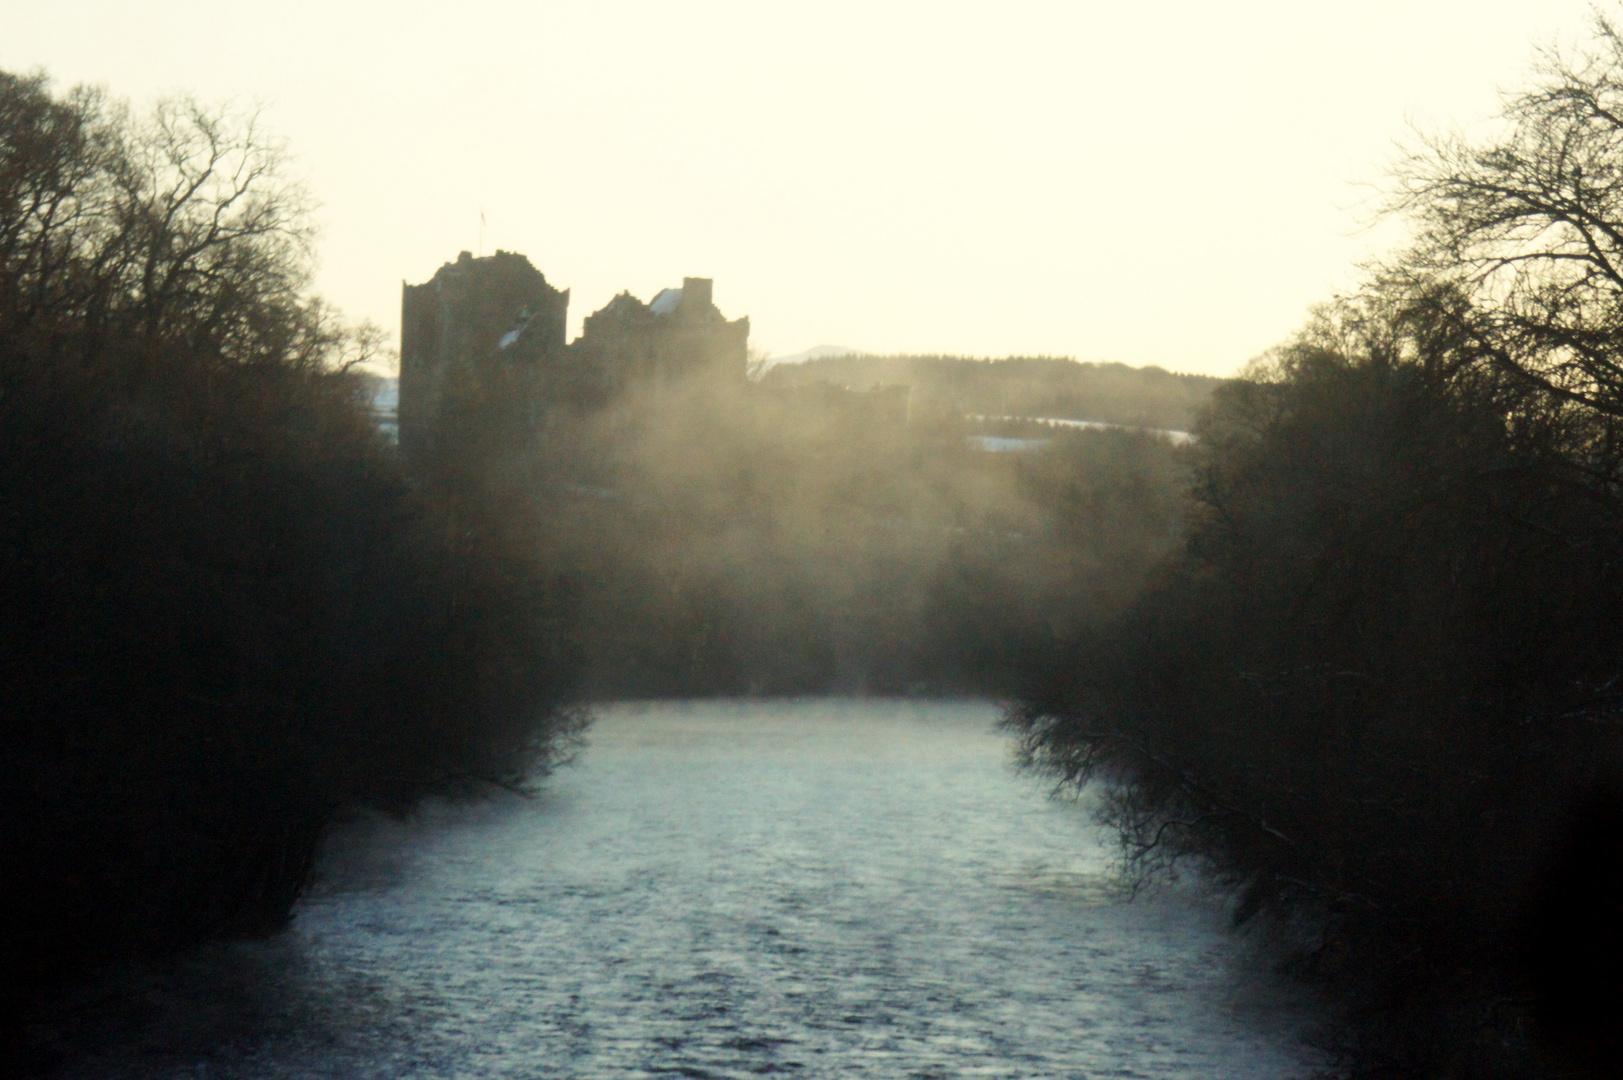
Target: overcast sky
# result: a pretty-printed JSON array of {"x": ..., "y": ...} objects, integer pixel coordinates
[{"x": 1155, "y": 183}]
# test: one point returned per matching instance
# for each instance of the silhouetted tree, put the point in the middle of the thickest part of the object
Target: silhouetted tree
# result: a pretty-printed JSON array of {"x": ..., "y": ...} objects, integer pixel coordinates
[
  {"x": 1378, "y": 679},
  {"x": 1525, "y": 224},
  {"x": 228, "y": 614},
  {"x": 1377, "y": 694}
]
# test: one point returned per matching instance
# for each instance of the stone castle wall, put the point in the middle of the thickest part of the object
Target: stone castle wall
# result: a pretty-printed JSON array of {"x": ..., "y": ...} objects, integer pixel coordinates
[{"x": 474, "y": 312}]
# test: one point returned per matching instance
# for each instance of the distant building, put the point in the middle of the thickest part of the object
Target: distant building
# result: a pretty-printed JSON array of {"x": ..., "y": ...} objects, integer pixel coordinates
[
  {"x": 499, "y": 310},
  {"x": 475, "y": 312},
  {"x": 679, "y": 335}
]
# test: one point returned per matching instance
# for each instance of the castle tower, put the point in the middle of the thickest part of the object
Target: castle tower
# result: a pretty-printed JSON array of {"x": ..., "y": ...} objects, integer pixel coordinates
[{"x": 497, "y": 309}]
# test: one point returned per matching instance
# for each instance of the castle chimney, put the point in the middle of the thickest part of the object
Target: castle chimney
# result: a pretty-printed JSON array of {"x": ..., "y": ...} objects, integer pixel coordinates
[{"x": 696, "y": 293}]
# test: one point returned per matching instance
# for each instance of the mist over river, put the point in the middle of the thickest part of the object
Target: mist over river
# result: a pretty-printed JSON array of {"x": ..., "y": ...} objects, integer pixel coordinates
[{"x": 813, "y": 889}]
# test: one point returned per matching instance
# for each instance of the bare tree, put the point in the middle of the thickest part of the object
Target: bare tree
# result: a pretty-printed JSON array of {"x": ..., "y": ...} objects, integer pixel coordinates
[
  {"x": 57, "y": 161},
  {"x": 1528, "y": 224},
  {"x": 182, "y": 230}
]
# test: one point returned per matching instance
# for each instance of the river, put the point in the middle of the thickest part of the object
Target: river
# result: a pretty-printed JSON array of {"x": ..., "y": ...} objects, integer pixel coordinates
[{"x": 808, "y": 889}]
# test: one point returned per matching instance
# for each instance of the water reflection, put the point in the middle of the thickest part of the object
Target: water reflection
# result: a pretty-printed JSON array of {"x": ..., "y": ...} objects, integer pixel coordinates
[{"x": 839, "y": 889}]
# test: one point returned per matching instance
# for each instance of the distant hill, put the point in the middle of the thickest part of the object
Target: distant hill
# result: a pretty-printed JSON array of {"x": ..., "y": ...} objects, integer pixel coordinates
[
  {"x": 1017, "y": 386},
  {"x": 818, "y": 352}
]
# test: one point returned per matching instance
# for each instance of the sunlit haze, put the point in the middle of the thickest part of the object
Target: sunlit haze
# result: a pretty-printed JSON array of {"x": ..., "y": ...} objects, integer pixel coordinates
[{"x": 1160, "y": 183}]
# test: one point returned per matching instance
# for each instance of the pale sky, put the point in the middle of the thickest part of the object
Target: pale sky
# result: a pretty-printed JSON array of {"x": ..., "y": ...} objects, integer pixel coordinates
[{"x": 1167, "y": 183}]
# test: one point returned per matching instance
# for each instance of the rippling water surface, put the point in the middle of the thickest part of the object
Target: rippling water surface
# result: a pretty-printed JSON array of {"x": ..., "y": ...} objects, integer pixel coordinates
[{"x": 817, "y": 889}]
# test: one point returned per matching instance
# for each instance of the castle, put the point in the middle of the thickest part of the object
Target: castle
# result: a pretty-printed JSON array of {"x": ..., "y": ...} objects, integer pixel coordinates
[{"x": 499, "y": 310}]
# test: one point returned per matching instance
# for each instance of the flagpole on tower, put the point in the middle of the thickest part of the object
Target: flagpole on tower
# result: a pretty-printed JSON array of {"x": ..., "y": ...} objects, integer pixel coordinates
[{"x": 481, "y": 230}]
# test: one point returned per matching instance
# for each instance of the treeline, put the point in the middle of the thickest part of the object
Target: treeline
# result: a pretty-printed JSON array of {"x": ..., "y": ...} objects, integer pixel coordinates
[
  {"x": 739, "y": 540},
  {"x": 229, "y": 614},
  {"x": 1377, "y": 692},
  {"x": 1016, "y": 386}
]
